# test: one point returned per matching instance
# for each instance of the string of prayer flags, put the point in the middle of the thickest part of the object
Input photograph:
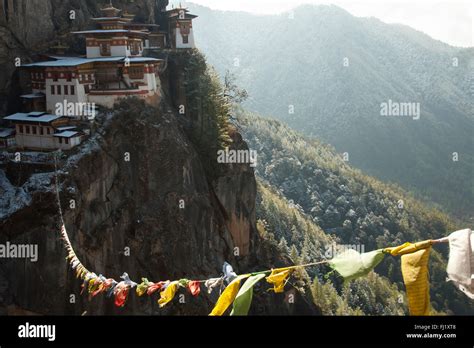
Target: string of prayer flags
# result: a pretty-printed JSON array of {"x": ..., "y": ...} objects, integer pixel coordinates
[
  {"x": 244, "y": 297},
  {"x": 74, "y": 261},
  {"x": 228, "y": 296},
  {"x": 278, "y": 278},
  {"x": 460, "y": 267},
  {"x": 168, "y": 293},
  {"x": 416, "y": 278},
  {"x": 351, "y": 264},
  {"x": 154, "y": 287}
]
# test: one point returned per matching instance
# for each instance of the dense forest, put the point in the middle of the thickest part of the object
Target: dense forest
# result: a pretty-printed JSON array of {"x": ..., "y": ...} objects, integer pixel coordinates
[{"x": 309, "y": 199}]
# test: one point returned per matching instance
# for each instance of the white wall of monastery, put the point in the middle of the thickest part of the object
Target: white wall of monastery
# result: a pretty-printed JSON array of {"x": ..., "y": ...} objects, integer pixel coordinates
[
  {"x": 93, "y": 52},
  {"x": 179, "y": 39},
  {"x": 52, "y": 100},
  {"x": 35, "y": 141},
  {"x": 72, "y": 142}
]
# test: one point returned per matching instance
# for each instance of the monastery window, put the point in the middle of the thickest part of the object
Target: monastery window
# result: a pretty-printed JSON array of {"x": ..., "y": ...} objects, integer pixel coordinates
[
  {"x": 73, "y": 90},
  {"x": 33, "y": 128},
  {"x": 48, "y": 130},
  {"x": 135, "y": 49},
  {"x": 105, "y": 49},
  {"x": 52, "y": 90},
  {"x": 66, "y": 140},
  {"x": 41, "y": 130},
  {"x": 185, "y": 39},
  {"x": 20, "y": 129},
  {"x": 136, "y": 72},
  {"x": 58, "y": 89},
  {"x": 27, "y": 129},
  {"x": 60, "y": 140},
  {"x": 87, "y": 88},
  {"x": 66, "y": 90}
]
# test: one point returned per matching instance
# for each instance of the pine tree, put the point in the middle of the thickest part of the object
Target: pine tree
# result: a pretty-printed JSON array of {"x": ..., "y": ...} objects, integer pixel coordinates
[
  {"x": 294, "y": 254},
  {"x": 283, "y": 246}
]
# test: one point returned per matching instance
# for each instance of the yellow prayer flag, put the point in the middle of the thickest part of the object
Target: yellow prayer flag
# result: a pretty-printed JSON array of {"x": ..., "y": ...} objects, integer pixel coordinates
[
  {"x": 168, "y": 294},
  {"x": 228, "y": 296},
  {"x": 278, "y": 278},
  {"x": 408, "y": 248},
  {"x": 416, "y": 279}
]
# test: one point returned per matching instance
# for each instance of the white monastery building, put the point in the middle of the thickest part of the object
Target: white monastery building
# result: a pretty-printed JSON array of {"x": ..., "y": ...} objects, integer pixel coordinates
[{"x": 114, "y": 67}]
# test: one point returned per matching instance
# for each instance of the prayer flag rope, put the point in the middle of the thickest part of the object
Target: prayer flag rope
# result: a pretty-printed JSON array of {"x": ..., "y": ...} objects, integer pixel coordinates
[{"x": 349, "y": 265}]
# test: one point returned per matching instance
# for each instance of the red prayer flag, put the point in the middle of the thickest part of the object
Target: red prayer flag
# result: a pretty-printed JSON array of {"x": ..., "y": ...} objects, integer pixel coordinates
[{"x": 194, "y": 287}]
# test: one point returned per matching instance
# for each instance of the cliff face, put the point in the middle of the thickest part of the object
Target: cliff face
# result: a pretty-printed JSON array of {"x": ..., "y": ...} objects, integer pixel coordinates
[
  {"x": 136, "y": 196},
  {"x": 133, "y": 205},
  {"x": 129, "y": 216}
]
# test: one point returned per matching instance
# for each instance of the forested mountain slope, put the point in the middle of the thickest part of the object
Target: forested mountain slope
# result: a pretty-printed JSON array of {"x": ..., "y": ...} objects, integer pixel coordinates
[
  {"x": 309, "y": 198},
  {"x": 326, "y": 73}
]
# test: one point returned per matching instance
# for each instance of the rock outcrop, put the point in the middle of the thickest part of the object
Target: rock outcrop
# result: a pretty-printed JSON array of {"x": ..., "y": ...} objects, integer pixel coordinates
[{"x": 143, "y": 205}]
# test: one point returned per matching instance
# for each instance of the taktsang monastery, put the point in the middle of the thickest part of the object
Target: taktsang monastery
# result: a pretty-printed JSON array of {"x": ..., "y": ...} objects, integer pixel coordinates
[{"x": 114, "y": 67}]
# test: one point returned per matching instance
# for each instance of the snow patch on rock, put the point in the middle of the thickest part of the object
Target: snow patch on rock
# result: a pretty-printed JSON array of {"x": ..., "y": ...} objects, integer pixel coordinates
[{"x": 12, "y": 198}]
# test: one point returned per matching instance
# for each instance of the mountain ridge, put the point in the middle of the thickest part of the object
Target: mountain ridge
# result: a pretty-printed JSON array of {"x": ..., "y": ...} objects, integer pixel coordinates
[{"x": 298, "y": 63}]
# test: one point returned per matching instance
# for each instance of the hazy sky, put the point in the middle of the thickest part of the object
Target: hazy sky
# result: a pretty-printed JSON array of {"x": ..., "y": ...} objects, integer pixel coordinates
[{"x": 450, "y": 21}]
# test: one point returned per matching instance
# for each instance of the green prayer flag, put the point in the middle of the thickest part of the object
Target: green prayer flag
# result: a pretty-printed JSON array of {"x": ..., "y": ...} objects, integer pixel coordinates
[
  {"x": 244, "y": 296},
  {"x": 183, "y": 282},
  {"x": 142, "y": 288},
  {"x": 351, "y": 264}
]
